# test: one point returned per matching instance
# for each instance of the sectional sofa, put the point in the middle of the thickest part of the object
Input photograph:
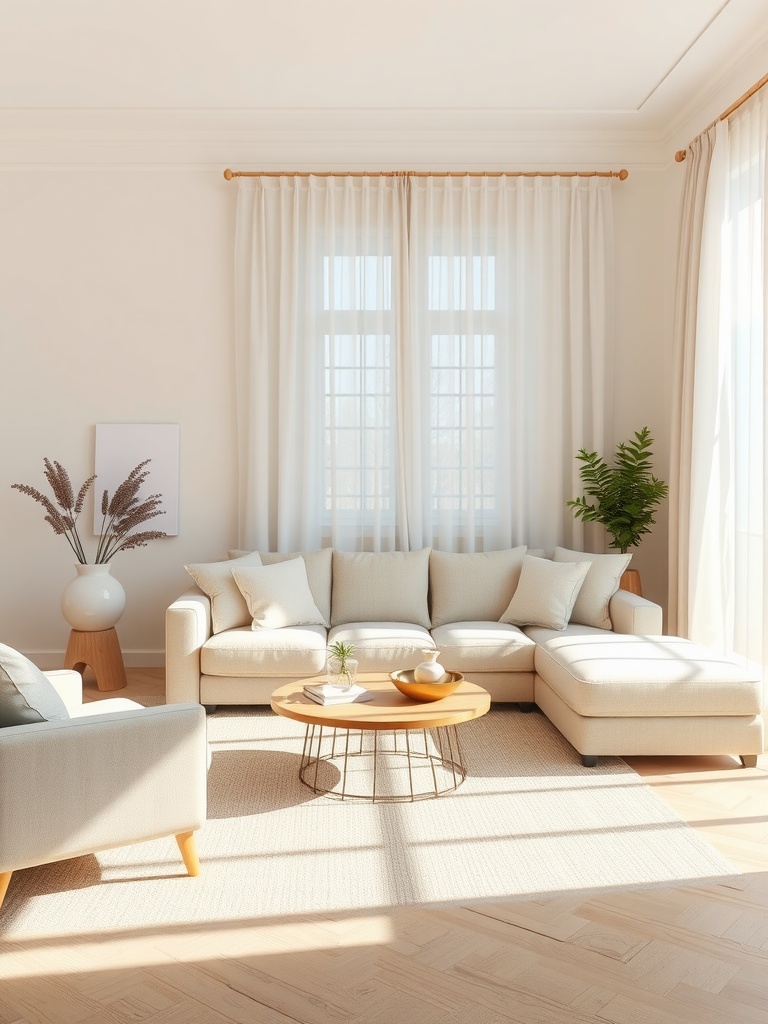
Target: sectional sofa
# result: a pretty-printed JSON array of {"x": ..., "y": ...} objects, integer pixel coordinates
[{"x": 554, "y": 632}]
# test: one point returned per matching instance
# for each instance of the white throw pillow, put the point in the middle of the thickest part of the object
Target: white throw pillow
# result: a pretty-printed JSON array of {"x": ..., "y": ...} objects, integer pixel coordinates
[
  {"x": 603, "y": 580},
  {"x": 318, "y": 565},
  {"x": 383, "y": 587},
  {"x": 473, "y": 587},
  {"x": 228, "y": 607},
  {"x": 278, "y": 595},
  {"x": 26, "y": 695},
  {"x": 546, "y": 593}
]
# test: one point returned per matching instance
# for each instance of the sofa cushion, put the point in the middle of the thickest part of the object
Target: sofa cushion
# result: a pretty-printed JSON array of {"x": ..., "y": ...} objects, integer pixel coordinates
[
  {"x": 546, "y": 593},
  {"x": 26, "y": 696},
  {"x": 472, "y": 587},
  {"x": 484, "y": 647},
  {"x": 278, "y": 595},
  {"x": 601, "y": 583},
  {"x": 228, "y": 607},
  {"x": 380, "y": 587},
  {"x": 384, "y": 646},
  {"x": 293, "y": 651},
  {"x": 613, "y": 674}
]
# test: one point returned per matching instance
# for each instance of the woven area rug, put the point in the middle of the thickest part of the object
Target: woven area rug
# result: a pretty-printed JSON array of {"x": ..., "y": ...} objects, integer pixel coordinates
[{"x": 529, "y": 823}]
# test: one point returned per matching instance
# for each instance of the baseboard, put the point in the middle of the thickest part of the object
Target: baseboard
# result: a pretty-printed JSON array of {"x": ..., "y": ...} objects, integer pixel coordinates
[{"x": 131, "y": 659}]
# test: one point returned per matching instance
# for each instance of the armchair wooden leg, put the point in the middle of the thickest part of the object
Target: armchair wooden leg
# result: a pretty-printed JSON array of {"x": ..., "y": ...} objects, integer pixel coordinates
[
  {"x": 5, "y": 879},
  {"x": 749, "y": 760},
  {"x": 186, "y": 841}
]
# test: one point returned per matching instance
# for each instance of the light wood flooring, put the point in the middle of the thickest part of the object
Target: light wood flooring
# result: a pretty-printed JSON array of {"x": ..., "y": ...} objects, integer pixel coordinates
[{"x": 697, "y": 955}]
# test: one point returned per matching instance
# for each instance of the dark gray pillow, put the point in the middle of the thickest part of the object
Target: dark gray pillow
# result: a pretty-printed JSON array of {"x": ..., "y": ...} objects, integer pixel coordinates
[{"x": 26, "y": 695}]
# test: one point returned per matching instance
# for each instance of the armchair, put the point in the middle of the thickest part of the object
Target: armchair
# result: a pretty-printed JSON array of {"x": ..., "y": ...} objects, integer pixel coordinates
[{"x": 114, "y": 773}]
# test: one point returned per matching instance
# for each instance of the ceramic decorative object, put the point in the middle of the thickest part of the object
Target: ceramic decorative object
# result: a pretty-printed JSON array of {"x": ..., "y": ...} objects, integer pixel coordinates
[
  {"x": 430, "y": 670},
  {"x": 407, "y": 685},
  {"x": 93, "y": 600}
]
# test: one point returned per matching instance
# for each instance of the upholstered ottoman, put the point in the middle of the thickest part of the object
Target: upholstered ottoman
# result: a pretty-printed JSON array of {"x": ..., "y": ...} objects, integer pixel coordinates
[{"x": 616, "y": 694}]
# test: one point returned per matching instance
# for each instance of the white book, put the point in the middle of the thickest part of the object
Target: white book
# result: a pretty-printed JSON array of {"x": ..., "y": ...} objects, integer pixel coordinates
[{"x": 325, "y": 693}]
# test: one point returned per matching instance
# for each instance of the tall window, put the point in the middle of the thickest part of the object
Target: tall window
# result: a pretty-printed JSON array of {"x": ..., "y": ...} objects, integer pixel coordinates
[{"x": 409, "y": 350}]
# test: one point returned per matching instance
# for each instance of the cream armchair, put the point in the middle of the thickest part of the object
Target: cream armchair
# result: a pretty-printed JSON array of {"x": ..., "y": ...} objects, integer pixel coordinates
[{"x": 114, "y": 773}]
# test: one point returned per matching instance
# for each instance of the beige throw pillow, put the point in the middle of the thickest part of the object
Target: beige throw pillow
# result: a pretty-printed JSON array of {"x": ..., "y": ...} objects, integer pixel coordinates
[
  {"x": 380, "y": 587},
  {"x": 546, "y": 593},
  {"x": 278, "y": 595},
  {"x": 318, "y": 565},
  {"x": 592, "y": 607},
  {"x": 473, "y": 588},
  {"x": 228, "y": 607}
]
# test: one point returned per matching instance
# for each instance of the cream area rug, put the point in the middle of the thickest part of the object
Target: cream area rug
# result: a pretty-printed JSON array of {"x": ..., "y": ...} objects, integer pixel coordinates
[{"x": 528, "y": 823}]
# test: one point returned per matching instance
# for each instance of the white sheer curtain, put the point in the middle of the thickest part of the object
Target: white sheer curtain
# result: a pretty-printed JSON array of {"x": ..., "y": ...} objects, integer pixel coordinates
[
  {"x": 697, "y": 166},
  {"x": 727, "y": 578},
  {"x": 419, "y": 359}
]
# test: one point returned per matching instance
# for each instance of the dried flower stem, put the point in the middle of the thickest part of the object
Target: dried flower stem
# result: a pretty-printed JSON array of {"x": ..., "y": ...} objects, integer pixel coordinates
[{"x": 120, "y": 515}]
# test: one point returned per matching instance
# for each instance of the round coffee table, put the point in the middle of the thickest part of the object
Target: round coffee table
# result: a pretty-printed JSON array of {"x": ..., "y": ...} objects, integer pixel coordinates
[{"x": 347, "y": 751}]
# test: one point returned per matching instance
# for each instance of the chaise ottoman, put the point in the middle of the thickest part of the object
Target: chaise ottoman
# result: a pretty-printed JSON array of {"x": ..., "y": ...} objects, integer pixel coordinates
[{"x": 616, "y": 694}]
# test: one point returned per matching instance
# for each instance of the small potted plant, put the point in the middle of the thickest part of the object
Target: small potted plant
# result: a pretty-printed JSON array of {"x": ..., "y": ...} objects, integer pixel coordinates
[
  {"x": 341, "y": 667},
  {"x": 624, "y": 495}
]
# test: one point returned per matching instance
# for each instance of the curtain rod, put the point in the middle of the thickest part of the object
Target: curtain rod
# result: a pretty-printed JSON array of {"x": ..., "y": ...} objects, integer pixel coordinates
[
  {"x": 622, "y": 175},
  {"x": 680, "y": 154}
]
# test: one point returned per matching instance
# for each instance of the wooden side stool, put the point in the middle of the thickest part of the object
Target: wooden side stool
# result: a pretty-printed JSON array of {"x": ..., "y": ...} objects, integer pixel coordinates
[{"x": 100, "y": 650}]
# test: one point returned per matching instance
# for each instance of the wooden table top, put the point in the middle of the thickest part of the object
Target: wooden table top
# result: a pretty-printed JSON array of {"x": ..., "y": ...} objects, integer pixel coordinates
[{"x": 389, "y": 709}]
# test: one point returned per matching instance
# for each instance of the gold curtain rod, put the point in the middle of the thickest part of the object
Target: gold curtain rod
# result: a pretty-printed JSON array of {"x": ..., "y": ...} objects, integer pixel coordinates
[
  {"x": 680, "y": 154},
  {"x": 622, "y": 175}
]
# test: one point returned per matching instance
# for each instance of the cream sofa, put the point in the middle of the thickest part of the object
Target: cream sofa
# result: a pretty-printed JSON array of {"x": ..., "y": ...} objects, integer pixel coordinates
[{"x": 608, "y": 680}]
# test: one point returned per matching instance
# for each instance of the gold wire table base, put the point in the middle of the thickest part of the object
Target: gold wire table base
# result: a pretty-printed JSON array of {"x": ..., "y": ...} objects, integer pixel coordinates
[{"x": 332, "y": 760}]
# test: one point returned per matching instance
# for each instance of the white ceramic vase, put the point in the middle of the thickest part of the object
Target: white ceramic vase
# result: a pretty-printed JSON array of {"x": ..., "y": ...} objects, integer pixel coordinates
[
  {"x": 430, "y": 670},
  {"x": 93, "y": 600}
]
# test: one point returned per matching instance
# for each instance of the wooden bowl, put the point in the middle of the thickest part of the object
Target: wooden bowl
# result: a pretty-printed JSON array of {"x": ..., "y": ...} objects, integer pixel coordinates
[{"x": 406, "y": 684}]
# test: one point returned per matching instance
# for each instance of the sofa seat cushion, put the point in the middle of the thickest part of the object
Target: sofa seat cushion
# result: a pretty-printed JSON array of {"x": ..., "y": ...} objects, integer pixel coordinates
[
  {"x": 290, "y": 651},
  {"x": 484, "y": 647},
  {"x": 644, "y": 676},
  {"x": 384, "y": 646}
]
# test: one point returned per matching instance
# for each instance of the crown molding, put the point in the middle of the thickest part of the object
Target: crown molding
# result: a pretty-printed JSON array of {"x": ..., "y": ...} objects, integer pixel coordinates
[{"x": 315, "y": 139}]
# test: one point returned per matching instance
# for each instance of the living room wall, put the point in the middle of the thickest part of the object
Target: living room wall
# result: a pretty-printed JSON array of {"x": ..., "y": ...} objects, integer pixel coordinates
[
  {"x": 116, "y": 297},
  {"x": 117, "y": 300}
]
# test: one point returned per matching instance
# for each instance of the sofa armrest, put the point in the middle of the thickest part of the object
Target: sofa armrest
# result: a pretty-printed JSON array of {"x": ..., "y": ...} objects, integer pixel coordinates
[
  {"x": 187, "y": 627},
  {"x": 69, "y": 685},
  {"x": 635, "y": 615},
  {"x": 68, "y": 788}
]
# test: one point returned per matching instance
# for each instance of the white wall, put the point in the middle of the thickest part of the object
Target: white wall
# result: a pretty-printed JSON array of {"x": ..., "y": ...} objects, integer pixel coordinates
[
  {"x": 116, "y": 307},
  {"x": 116, "y": 240}
]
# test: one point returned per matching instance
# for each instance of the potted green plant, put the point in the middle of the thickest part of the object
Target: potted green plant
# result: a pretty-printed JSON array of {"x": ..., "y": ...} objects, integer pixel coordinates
[
  {"x": 624, "y": 495},
  {"x": 341, "y": 666}
]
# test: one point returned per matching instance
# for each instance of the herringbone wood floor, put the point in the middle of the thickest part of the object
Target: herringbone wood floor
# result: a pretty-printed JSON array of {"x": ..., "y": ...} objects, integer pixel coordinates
[{"x": 696, "y": 955}]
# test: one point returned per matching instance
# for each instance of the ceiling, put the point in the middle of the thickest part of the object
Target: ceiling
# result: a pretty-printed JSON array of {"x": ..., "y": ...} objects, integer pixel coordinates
[{"x": 597, "y": 64}]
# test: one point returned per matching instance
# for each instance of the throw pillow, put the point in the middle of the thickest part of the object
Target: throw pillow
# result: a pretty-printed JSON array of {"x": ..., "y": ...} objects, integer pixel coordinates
[
  {"x": 26, "y": 696},
  {"x": 546, "y": 593},
  {"x": 228, "y": 607},
  {"x": 278, "y": 595},
  {"x": 602, "y": 581},
  {"x": 380, "y": 587},
  {"x": 473, "y": 588},
  {"x": 318, "y": 565}
]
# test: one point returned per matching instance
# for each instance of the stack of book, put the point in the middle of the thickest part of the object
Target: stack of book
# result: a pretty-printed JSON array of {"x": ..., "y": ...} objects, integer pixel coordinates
[{"x": 326, "y": 693}]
